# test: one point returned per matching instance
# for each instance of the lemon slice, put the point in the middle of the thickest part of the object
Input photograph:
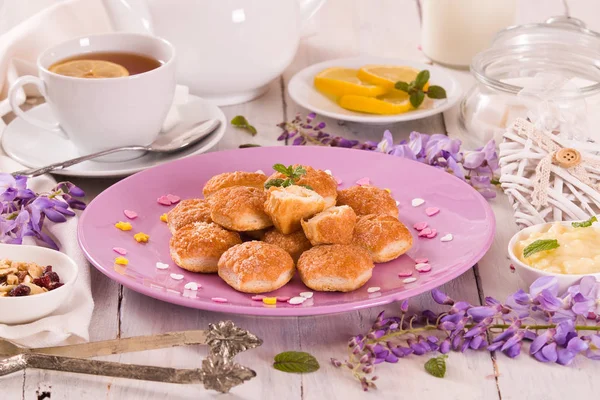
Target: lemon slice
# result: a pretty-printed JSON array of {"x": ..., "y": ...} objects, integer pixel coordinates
[
  {"x": 338, "y": 81},
  {"x": 396, "y": 102},
  {"x": 90, "y": 69},
  {"x": 387, "y": 75}
]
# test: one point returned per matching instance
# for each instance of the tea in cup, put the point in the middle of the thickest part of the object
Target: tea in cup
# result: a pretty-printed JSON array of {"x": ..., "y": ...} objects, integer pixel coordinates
[{"x": 106, "y": 91}]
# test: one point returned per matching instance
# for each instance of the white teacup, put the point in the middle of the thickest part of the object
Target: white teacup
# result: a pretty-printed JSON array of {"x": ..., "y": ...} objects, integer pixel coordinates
[{"x": 102, "y": 113}]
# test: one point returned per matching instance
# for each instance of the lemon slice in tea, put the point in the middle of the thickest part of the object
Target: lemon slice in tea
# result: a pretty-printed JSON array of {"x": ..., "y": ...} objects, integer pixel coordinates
[{"x": 90, "y": 69}]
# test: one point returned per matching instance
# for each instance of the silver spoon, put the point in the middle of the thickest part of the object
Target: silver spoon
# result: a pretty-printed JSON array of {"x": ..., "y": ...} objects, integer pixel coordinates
[{"x": 177, "y": 139}]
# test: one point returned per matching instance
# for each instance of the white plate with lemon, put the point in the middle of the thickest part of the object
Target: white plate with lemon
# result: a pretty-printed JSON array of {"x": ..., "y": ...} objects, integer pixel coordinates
[{"x": 364, "y": 89}]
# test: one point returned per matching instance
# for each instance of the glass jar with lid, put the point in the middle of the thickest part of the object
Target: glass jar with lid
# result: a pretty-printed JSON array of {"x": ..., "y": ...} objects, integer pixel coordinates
[{"x": 560, "y": 46}]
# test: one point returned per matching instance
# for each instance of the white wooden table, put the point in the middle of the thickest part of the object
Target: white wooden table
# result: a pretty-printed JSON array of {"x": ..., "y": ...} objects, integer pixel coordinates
[{"x": 343, "y": 28}]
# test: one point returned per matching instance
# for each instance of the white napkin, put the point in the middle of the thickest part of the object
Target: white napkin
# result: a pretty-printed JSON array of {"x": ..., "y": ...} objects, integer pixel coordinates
[{"x": 70, "y": 323}]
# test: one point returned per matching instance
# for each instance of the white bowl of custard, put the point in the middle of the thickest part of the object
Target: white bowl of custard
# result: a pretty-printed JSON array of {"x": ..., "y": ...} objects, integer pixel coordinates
[{"x": 577, "y": 255}]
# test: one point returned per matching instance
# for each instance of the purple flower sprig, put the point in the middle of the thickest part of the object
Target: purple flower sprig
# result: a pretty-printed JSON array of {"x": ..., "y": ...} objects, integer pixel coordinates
[
  {"x": 479, "y": 168},
  {"x": 558, "y": 327},
  {"x": 306, "y": 133},
  {"x": 24, "y": 212}
]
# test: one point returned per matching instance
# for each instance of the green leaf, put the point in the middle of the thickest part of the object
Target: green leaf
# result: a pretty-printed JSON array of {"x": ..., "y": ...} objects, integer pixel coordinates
[
  {"x": 422, "y": 78},
  {"x": 281, "y": 168},
  {"x": 296, "y": 362},
  {"x": 436, "y": 366},
  {"x": 540, "y": 245},
  {"x": 416, "y": 99},
  {"x": 585, "y": 224},
  {"x": 286, "y": 183},
  {"x": 308, "y": 187},
  {"x": 436, "y": 92},
  {"x": 402, "y": 86},
  {"x": 239, "y": 121},
  {"x": 299, "y": 172},
  {"x": 278, "y": 182},
  {"x": 248, "y": 145}
]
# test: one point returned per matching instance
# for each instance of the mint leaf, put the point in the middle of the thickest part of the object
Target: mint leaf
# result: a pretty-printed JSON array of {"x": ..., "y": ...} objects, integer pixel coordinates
[
  {"x": 416, "y": 98},
  {"x": 584, "y": 224},
  {"x": 286, "y": 183},
  {"x": 278, "y": 182},
  {"x": 436, "y": 92},
  {"x": 299, "y": 172},
  {"x": 540, "y": 245},
  {"x": 401, "y": 86},
  {"x": 239, "y": 121},
  {"x": 436, "y": 366},
  {"x": 281, "y": 168},
  {"x": 295, "y": 362},
  {"x": 422, "y": 78},
  {"x": 307, "y": 187}
]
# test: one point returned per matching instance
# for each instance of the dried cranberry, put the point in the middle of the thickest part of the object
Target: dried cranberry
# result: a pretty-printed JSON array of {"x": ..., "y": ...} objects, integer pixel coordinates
[
  {"x": 43, "y": 281},
  {"x": 20, "y": 290},
  {"x": 56, "y": 285},
  {"x": 53, "y": 276},
  {"x": 21, "y": 275},
  {"x": 48, "y": 269}
]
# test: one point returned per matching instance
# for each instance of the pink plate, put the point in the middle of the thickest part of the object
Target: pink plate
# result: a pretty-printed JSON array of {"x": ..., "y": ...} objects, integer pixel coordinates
[{"x": 463, "y": 212}]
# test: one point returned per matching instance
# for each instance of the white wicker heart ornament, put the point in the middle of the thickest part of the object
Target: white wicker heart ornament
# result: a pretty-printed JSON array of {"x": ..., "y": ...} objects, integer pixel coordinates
[{"x": 548, "y": 178}]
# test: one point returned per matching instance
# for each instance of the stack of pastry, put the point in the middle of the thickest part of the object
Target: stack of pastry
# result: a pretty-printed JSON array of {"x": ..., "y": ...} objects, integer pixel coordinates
[{"x": 255, "y": 238}]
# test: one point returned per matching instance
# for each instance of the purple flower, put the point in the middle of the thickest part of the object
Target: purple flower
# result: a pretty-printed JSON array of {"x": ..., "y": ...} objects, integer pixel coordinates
[
  {"x": 387, "y": 143},
  {"x": 483, "y": 160},
  {"x": 545, "y": 282},
  {"x": 483, "y": 184},
  {"x": 480, "y": 313},
  {"x": 548, "y": 301},
  {"x": 441, "y": 297},
  {"x": 593, "y": 351}
]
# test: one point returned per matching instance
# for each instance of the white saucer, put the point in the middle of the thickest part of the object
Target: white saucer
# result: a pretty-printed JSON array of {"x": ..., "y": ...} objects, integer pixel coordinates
[
  {"x": 35, "y": 147},
  {"x": 302, "y": 90}
]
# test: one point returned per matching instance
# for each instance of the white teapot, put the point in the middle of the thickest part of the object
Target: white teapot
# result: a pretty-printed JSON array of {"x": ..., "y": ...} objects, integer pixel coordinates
[{"x": 227, "y": 50}]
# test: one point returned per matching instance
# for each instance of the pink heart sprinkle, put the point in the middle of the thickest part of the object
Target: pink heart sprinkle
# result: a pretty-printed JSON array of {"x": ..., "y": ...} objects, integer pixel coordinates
[
  {"x": 424, "y": 267},
  {"x": 173, "y": 199},
  {"x": 403, "y": 274},
  {"x": 363, "y": 181},
  {"x": 431, "y": 211},
  {"x": 425, "y": 232},
  {"x": 283, "y": 298},
  {"x": 219, "y": 300},
  {"x": 338, "y": 180},
  {"x": 120, "y": 250},
  {"x": 432, "y": 234},
  {"x": 258, "y": 297},
  {"x": 164, "y": 200},
  {"x": 422, "y": 260},
  {"x": 420, "y": 226},
  {"x": 130, "y": 214}
]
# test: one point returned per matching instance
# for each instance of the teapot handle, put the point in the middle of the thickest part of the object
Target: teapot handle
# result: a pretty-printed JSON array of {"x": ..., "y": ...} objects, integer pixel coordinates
[
  {"x": 308, "y": 8},
  {"x": 129, "y": 15}
]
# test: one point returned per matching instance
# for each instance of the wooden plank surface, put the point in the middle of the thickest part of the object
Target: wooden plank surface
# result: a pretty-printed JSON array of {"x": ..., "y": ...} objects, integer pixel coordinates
[{"x": 342, "y": 28}]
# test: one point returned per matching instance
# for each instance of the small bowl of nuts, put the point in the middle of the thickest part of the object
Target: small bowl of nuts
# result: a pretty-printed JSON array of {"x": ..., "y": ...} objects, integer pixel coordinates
[{"x": 34, "y": 282}]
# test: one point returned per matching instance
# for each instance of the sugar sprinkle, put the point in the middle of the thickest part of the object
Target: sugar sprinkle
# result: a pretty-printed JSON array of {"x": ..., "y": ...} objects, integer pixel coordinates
[
  {"x": 219, "y": 300},
  {"x": 416, "y": 202},
  {"x": 164, "y": 200},
  {"x": 423, "y": 267},
  {"x": 160, "y": 265},
  {"x": 431, "y": 211},
  {"x": 373, "y": 289},
  {"x": 283, "y": 299},
  {"x": 269, "y": 300},
  {"x": 297, "y": 300},
  {"x": 177, "y": 277},
  {"x": 403, "y": 274},
  {"x": 192, "y": 286},
  {"x": 258, "y": 297},
  {"x": 363, "y": 181},
  {"x": 306, "y": 295},
  {"x": 409, "y": 280},
  {"x": 120, "y": 250},
  {"x": 447, "y": 238},
  {"x": 421, "y": 260},
  {"x": 173, "y": 199},
  {"x": 432, "y": 234},
  {"x": 130, "y": 214}
]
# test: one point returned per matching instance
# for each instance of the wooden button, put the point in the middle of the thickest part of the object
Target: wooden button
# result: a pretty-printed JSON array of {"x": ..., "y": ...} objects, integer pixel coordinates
[{"x": 567, "y": 158}]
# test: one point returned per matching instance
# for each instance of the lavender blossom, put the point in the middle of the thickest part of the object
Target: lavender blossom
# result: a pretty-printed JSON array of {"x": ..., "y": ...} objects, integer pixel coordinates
[{"x": 511, "y": 325}]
